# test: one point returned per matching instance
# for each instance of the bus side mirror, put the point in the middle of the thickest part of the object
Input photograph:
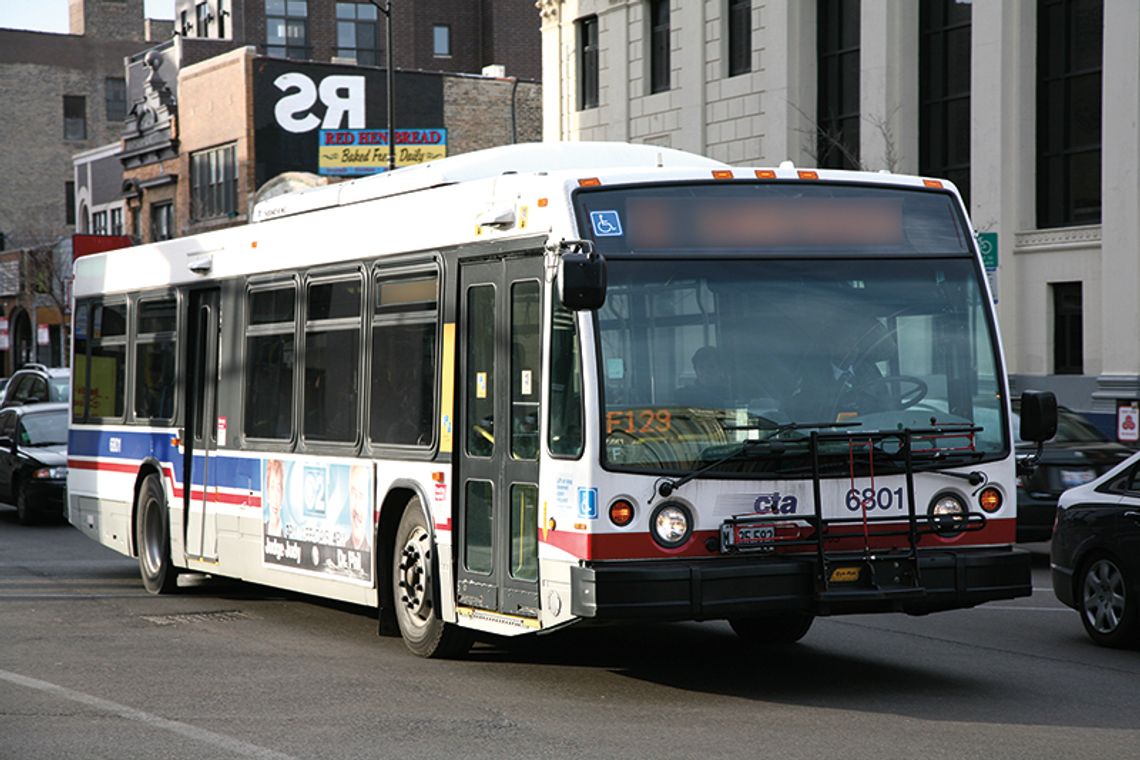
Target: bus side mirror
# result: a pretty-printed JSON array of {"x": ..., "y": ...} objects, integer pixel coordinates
[
  {"x": 581, "y": 276},
  {"x": 1038, "y": 416}
]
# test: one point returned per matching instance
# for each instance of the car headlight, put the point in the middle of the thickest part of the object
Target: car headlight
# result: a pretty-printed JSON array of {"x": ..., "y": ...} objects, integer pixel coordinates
[
  {"x": 947, "y": 513},
  {"x": 671, "y": 525},
  {"x": 50, "y": 473}
]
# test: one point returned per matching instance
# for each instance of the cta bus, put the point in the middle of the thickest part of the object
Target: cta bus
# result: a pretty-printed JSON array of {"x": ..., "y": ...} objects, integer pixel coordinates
[{"x": 548, "y": 384}]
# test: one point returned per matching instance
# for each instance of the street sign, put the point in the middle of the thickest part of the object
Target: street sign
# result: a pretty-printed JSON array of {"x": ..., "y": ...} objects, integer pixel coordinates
[
  {"x": 1128, "y": 422},
  {"x": 988, "y": 245}
]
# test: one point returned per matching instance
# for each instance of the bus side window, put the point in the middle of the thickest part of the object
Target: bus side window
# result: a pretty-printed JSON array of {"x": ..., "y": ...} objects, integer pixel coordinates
[
  {"x": 565, "y": 373},
  {"x": 155, "y": 352},
  {"x": 269, "y": 360},
  {"x": 404, "y": 335},
  {"x": 332, "y": 360}
]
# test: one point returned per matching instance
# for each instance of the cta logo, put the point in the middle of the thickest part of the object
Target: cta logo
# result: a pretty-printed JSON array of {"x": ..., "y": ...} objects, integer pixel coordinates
[{"x": 775, "y": 504}]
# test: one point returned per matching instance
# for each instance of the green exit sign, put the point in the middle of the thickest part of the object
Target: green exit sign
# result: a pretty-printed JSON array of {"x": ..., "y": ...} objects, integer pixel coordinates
[{"x": 988, "y": 245}]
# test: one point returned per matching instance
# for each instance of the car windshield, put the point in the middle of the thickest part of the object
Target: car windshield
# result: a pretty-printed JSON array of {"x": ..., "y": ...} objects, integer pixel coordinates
[
  {"x": 44, "y": 428},
  {"x": 697, "y": 356},
  {"x": 59, "y": 388}
]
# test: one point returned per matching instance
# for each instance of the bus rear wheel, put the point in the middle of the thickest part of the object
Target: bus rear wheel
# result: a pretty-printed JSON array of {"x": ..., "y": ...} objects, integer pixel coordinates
[
  {"x": 152, "y": 527},
  {"x": 414, "y": 591},
  {"x": 785, "y": 628}
]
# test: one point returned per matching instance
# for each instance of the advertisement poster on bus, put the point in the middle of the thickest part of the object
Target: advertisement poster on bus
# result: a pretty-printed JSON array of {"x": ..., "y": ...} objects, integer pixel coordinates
[{"x": 318, "y": 517}]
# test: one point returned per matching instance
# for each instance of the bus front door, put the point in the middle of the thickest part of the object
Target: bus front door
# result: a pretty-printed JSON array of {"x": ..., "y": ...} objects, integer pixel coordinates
[
  {"x": 497, "y": 444},
  {"x": 200, "y": 435}
]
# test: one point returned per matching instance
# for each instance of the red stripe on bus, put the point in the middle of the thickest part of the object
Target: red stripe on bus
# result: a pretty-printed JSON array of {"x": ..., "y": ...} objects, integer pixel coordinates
[
  {"x": 642, "y": 546},
  {"x": 241, "y": 500}
]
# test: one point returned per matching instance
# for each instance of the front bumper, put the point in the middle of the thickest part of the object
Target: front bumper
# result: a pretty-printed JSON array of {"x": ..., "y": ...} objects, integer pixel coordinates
[
  {"x": 710, "y": 589},
  {"x": 46, "y": 497}
]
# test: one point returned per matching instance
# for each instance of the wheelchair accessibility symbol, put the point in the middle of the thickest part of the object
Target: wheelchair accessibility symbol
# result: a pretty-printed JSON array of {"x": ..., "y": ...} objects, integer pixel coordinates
[{"x": 605, "y": 223}]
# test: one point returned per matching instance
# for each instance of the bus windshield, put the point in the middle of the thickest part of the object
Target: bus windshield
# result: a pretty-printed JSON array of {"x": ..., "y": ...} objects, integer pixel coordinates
[{"x": 699, "y": 355}]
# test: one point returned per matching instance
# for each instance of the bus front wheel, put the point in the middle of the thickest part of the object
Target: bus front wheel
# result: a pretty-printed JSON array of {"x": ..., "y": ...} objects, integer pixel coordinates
[
  {"x": 787, "y": 628},
  {"x": 152, "y": 527},
  {"x": 414, "y": 591}
]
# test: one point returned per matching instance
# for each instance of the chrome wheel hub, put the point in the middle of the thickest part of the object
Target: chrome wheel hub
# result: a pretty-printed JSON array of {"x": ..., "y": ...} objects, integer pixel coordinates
[
  {"x": 1103, "y": 596},
  {"x": 414, "y": 576}
]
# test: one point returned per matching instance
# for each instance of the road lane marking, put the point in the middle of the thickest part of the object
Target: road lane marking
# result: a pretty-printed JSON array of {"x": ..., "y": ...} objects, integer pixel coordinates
[{"x": 227, "y": 743}]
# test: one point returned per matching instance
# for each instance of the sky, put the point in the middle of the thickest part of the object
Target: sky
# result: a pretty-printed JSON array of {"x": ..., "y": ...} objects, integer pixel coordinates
[{"x": 51, "y": 15}]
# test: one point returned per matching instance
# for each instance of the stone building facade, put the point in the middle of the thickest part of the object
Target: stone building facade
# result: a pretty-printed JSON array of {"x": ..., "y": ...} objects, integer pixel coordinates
[{"x": 1029, "y": 107}]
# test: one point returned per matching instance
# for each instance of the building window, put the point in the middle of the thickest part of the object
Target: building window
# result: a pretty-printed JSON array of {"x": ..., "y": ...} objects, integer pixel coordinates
[
  {"x": 116, "y": 98},
  {"x": 1068, "y": 336},
  {"x": 441, "y": 41},
  {"x": 69, "y": 200},
  {"x": 116, "y": 221},
  {"x": 944, "y": 92},
  {"x": 222, "y": 13},
  {"x": 357, "y": 33},
  {"x": 184, "y": 23},
  {"x": 287, "y": 28},
  {"x": 659, "y": 70},
  {"x": 202, "y": 20},
  {"x": 739, "y": 37},
  {"x": 136, "y": 221},
  {"x": 837, "y": 112},
  {"x": 1070, "y": 46},
  {"x": 74, "y": 117},
  {"x": 213, "y": 183},
  {"x": 588, "y": 62},
  {"x": 161, "y": 221},
  {"x": 99, "y": 223}
]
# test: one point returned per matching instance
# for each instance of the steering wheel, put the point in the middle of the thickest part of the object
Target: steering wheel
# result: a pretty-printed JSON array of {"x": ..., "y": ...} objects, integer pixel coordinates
[{"x": 907, "y": 398}]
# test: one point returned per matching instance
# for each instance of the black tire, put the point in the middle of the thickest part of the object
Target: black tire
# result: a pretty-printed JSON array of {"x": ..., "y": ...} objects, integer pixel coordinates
[
  {"x": 25, "y": 514},
  {"x": 414, "y": 590},
  {"x": 1107, "y": 603},
  {"x": 770, "y": 630},
  {"x": 152, "y": 529}
]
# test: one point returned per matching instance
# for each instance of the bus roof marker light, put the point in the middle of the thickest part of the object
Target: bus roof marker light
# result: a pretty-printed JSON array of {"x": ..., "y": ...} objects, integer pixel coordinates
[
  {"x": 807, "y": 174},
  {"x": 589, "y": 182},
  {"x": 933, "y": 183},
  {"x": 723, "y": 174},
  {"x": 765, "y": 174}
]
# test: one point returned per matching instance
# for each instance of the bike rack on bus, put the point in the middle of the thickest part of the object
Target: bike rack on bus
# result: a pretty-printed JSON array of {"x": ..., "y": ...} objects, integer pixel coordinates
[{"x": 892, "y": 574}]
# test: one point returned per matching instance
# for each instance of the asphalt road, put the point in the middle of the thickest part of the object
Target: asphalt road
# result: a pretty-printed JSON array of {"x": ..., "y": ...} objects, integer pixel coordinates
[{"x": 93, "y": 667}]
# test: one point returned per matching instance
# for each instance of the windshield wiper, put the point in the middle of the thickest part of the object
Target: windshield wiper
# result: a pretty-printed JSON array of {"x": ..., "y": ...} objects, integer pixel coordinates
[{"x": 667, "y": 487}]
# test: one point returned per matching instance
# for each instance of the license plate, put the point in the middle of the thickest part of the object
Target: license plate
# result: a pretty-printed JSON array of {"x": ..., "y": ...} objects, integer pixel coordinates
[
  {"x": 1072, "y": 478},
  {"x": 752, "y": 536}
]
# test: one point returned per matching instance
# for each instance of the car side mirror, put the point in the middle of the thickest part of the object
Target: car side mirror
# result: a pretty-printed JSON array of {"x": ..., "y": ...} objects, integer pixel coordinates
[
  {"x": 581, "y": 276},
  {"x": 1038, "y": 416}
]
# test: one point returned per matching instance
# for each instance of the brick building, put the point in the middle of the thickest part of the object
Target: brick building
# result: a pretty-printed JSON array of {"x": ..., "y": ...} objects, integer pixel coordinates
[
  {"x": 63, "y": 94},
  {"x": 240, "y": 119},
  {"x": 432, "y": 35}
]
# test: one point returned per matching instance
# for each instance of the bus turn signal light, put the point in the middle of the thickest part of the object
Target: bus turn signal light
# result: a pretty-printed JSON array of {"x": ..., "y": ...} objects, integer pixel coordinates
[
  {"x": 990, "y": 500},
  {"x": 621, "y": 513}
]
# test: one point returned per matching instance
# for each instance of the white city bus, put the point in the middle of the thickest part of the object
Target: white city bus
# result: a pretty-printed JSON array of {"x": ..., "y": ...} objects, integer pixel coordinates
[{"x": 544, "y": 384}]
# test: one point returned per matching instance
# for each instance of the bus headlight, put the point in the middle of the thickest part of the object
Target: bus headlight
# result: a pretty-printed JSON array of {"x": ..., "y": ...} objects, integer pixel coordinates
[
  {"x": 947, "y": 513},
  {"x": 671, "y": 525}
]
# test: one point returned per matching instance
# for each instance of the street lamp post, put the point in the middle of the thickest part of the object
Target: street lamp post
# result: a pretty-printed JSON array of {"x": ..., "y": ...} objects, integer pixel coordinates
[{"x": 386, "y": 9}]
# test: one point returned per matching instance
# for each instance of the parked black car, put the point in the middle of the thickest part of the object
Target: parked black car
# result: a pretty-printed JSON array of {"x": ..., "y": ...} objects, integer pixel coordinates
[
  {"x": 1096, "y": 554},
  {"x": 1077, "y": 454},
  {"x": 36, "y": 384},
  {"x": 33, "y": 459}
]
